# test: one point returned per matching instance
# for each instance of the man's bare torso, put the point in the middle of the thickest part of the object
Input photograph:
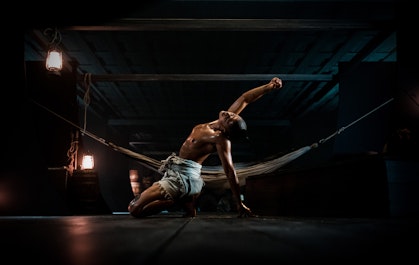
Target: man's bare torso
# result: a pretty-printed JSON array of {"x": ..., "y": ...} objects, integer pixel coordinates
[{"x": 201, "y": 142}]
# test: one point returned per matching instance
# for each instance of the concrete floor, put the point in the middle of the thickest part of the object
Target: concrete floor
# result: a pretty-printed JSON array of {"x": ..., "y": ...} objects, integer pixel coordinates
[{"x": 218, "y": 238}]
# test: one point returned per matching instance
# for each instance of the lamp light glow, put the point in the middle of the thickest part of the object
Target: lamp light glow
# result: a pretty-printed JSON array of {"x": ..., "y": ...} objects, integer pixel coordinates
[
  {"x": 54, "y": 61},
  {"x": 88, "y": 162}
]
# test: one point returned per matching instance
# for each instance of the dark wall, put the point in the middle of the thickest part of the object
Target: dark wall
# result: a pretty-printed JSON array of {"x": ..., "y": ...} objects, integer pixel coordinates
[
  {"x": 52, "y": 100},
  {"x": 362, "y": 92},
  {"x": 111, "y": 166},
  {"x": 408, "y": 68},
  {"x": 33, "y": 179},
  {"x": 36, "y": 140}
]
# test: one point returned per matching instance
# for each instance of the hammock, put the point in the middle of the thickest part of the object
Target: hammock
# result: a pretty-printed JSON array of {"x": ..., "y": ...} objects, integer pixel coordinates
[{"x": 215, "y": 176}]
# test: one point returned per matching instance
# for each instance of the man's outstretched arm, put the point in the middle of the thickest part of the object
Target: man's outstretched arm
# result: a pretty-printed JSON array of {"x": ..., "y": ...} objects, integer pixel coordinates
[
  {"x": 254, "y": 94},
  {"x": 224, "y": 152}
]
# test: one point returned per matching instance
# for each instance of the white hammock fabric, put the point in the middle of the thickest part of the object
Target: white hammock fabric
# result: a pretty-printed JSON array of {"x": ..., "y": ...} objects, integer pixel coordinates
[
  {"x": 215, "y": 176},
  {"x": 218, "y": 178}
]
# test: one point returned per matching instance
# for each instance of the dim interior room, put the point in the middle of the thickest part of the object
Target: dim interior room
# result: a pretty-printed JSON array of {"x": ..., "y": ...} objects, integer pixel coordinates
[
  {"x": 331, "y": 168},
  {"x": 102, "y": 96}
]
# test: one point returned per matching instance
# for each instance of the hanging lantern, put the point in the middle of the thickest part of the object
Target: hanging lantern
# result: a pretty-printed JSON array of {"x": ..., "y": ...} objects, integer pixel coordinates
[
  {"x": 87, "y": 162},
  {"x": 54, "y": 61}
]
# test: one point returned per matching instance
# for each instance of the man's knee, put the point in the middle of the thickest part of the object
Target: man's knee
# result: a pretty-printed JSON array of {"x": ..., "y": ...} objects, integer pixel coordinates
[{"x": 134, "y": 208}]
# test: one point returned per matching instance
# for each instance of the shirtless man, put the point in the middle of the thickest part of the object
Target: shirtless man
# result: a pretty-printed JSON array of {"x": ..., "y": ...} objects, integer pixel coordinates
[{"x": 181, "y": 181}]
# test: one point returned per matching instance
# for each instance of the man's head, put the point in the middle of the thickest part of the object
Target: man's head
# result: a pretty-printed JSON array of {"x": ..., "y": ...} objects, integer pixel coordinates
[{"x": 235, "y": 126}]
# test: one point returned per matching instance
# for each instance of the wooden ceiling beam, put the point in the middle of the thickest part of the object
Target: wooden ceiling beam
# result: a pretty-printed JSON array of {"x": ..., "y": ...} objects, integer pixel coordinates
[
  {"x": 186, "y": 24},
  {"x": 205, "y": 77}
]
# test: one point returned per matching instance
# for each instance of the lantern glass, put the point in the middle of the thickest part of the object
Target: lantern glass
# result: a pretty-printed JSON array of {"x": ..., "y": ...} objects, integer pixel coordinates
[
  {"x": 54, "y": 60},
  {"x": 88, "y": 162}
]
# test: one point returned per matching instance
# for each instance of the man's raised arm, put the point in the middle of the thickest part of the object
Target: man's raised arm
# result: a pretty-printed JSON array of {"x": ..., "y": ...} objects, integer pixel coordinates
[{"x": 254, "y": 94}]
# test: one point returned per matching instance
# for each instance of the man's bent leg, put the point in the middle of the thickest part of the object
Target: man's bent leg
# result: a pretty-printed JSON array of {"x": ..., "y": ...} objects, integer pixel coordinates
[
  {"x": 143, "y": 205},
  {"x": 156, "y": 207}
]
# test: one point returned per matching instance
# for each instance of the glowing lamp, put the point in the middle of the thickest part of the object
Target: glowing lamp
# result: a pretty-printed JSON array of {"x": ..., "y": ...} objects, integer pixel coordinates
[
  {"x": 54, "y": 61},
  {"x": 87, "y": 162}
]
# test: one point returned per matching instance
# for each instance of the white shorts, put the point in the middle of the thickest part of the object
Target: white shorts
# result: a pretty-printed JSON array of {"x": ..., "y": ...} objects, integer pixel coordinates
[{"x": 182, "y": 177}]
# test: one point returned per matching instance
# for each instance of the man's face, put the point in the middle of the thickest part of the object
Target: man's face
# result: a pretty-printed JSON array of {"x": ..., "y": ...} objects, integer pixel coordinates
[{"x": 227, "y": 118}]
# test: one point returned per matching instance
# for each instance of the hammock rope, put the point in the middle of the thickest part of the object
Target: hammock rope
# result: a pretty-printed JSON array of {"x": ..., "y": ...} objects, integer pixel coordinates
[
  {"x": 216, "y": 175},
  {"x": 86, "y": 97},
  {"x": 339, "y": 131}
]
